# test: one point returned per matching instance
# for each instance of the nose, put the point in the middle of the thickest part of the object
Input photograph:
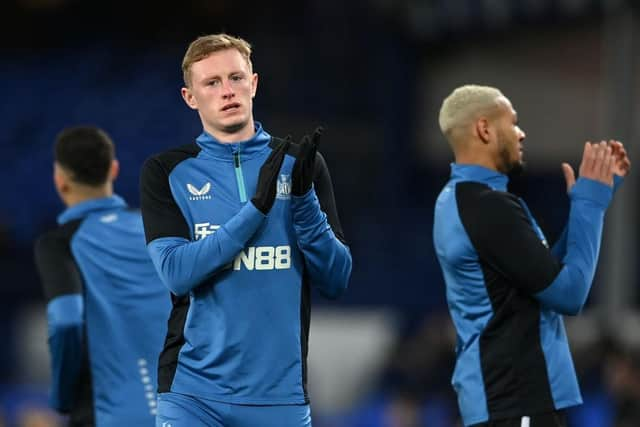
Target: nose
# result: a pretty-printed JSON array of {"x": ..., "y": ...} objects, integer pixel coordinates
[
  {"x": 522, "y": 134},
  {"x": 227, "y": 90}
]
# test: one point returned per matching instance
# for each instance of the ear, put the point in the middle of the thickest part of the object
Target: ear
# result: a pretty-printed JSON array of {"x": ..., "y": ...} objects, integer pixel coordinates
[
  {"x": 483, "y": 129},
  {"x": 60, "y": 180},
  {"x": 114, "y": 170},
  {"x": 188, "y": 97},
  {"x": 254, "y": 85}
]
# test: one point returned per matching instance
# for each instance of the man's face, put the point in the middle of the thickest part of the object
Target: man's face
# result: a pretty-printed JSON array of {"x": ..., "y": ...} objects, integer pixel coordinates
[
  {"x": 509, "y": 139},
  {"x": 222, "y": 90}
]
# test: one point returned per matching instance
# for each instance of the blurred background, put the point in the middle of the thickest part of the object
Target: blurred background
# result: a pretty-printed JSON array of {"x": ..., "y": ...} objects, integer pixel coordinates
[{"x": 374, "y": 73}]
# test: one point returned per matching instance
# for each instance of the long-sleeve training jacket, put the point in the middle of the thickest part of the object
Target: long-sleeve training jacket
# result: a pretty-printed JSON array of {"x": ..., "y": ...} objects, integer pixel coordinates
[
  {"x": 241, "y": 280},
  {"x": 107, "y": 315},
  {"x": 507, "y": 292}
]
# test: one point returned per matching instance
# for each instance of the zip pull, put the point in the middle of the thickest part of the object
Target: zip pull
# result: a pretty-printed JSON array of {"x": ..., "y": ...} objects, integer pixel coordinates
[{"x": 239, "y": 177}]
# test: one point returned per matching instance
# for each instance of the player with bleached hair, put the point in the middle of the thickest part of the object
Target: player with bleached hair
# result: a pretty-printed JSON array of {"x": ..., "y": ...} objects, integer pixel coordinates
[{"x": 506, "y": 289}]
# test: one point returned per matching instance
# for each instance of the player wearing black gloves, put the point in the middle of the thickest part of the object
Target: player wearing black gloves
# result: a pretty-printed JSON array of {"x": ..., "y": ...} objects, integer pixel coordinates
[{"x": 239, "y": 268}]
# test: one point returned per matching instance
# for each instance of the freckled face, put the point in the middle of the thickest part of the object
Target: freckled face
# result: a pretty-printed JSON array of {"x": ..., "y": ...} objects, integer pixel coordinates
[{"x": 222, "y": 90}]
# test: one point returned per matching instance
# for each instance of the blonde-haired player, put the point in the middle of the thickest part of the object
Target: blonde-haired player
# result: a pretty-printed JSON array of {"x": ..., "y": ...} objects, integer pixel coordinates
[{"x": 506, "y": 289}]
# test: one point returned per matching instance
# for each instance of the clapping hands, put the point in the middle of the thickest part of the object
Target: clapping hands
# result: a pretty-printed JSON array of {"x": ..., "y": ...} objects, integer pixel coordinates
[{"x": 600, "y": 161}]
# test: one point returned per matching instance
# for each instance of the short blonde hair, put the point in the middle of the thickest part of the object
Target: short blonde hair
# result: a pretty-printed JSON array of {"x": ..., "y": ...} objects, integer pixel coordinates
[
  {"x": 465, "y": 104},
  {"x": 204, "y": 46}
]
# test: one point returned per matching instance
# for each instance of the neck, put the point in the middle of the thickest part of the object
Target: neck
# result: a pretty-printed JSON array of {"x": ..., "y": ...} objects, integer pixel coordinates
[
  {"x": 232, "y": 136},
  {"x": 85, "y": 193},
  {"x": 476, "y": 159},
  {"x": 473, "y": 151}
]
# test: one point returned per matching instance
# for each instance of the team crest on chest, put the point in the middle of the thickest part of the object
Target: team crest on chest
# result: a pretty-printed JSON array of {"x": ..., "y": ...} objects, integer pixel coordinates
[{"x": 284, "y": 187}]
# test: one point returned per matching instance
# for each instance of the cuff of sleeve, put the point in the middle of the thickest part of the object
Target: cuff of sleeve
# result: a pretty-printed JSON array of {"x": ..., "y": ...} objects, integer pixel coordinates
[
  {"x": 593, "y": 190},
  {"x": 308, "y": 199},
  {"x": 617, "y": 182},
  {"x": 242, "y": 226},
  {"x": 65, "y": 311}
]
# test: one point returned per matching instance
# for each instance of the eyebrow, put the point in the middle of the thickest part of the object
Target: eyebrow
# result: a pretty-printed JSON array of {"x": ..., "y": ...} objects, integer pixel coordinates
[{"x": 217, "y": 76}]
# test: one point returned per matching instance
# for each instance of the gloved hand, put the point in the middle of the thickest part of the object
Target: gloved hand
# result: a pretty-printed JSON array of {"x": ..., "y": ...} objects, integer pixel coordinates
[
  {"x": 268, "y": 178},
  {"x": 303, "y": 168}
]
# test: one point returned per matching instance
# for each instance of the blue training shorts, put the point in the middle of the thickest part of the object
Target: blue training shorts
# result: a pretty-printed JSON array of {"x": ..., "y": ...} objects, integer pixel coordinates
[{"x": 180, "y": 410}]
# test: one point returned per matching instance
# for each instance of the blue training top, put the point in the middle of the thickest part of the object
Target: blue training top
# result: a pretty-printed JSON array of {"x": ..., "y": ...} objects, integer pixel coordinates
[
  {"x": 107, "y": 314},
  {"x": 239, "y": 327},
  {"x": 507, "y": 292}
]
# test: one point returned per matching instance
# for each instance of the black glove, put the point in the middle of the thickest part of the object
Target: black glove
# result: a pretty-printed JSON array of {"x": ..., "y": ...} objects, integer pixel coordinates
[
  {"x": 303, "y": 168},
  {"x": 268, "y": 178}
]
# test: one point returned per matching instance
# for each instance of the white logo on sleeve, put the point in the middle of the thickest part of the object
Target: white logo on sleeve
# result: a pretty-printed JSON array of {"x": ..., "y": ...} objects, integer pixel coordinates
[
  {"x": 106, "y": 219},
  {"x": 204, "y": 229},
  {"x": 252, "y": 257},
  {"x": 199, "y": 194}
]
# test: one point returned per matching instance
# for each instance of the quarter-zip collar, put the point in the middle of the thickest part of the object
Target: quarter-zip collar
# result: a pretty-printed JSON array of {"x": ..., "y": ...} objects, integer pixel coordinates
[
  {"x": 466, "y": 172},
  {"x": 258, "y": 142},
  {"x": 83, "y": 209}
]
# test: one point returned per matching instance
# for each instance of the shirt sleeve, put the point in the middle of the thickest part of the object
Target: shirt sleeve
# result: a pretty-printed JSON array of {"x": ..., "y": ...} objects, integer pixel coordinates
[
  {"x": 183, "y": 264},
  {"x": 569, "y": 290},
  {"x": 504, "y": 238},
  {"x": 62, "y": 286},
  {"x": 320, "y": 236},
  {"x": 559, "y": 249},
  {"x": 161, "y": 215}
]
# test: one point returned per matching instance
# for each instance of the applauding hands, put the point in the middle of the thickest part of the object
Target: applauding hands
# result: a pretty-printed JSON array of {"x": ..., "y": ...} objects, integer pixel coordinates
[
  {"x": 600, "y": 161},
  {"x": 303, "y": 168}
]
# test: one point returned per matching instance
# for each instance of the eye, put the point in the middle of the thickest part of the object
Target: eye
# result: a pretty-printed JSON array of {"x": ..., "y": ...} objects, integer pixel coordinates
[
  {"x": 214, "y": 82},
  {"x": 237, "y": 77}
]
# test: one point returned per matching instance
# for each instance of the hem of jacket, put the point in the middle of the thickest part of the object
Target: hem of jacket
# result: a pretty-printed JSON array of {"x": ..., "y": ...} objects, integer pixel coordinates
[
  {"x": 248, "y": 400},
  {"x": 494, "y": 416},
  {"x": 563, "y": 404}
]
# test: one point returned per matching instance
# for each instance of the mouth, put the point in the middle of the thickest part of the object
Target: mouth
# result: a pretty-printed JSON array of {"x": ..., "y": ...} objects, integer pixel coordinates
[{"x": 231, "y": 107}]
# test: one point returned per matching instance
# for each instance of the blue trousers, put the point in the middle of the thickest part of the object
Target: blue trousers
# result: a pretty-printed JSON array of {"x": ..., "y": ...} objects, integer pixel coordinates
[{"x": 179, "y": 410}]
